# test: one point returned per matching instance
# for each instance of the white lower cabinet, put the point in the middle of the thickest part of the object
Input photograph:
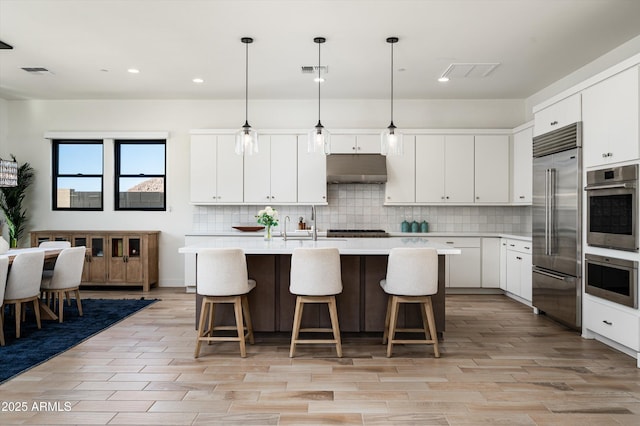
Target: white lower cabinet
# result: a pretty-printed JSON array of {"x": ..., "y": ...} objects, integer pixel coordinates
[
  {"x": 518, "y": 268},
  {"x": 619, "y": 324},
  {"x": 464, "y": 269},
  {"x": 491, "y": 263}
]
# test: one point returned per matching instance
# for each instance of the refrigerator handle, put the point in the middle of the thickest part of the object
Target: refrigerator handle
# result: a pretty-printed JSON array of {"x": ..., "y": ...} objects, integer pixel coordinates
[
  {"x": 552, "y": 209},
  {"x": 547, "y": 208},
  {"x": 549, "y": 274}
]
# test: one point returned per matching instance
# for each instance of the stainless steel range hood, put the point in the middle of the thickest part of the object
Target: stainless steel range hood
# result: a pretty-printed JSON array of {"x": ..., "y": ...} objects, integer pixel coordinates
[{"x": 356, "y": 168}]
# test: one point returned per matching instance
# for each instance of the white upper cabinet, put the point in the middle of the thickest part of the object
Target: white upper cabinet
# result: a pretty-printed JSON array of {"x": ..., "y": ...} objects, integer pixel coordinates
[
  {"x": 610, "y": 115},
  {"x": 522, "y": 187},
  {"x": 557, "y": 115},
  {"x": 401, "y": 174},
  {"x": 271, "y": 175},
  {"x": 216, "y": 171},
  {"x": 492, "y": 169},
  {"x": 445, "y": 169},
  {"x": 312, "y": 175},
  {"x": 355, "y": 144}
]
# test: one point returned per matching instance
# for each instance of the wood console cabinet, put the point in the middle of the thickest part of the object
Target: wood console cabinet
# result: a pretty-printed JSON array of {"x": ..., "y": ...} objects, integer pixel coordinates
[{"x": 118, "y": 258}]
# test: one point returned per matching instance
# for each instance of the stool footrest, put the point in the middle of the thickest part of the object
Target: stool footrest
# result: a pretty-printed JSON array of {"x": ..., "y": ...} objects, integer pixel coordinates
[
  {"x": 316, "y": 341},
  {"x": 316, "y": 330}
]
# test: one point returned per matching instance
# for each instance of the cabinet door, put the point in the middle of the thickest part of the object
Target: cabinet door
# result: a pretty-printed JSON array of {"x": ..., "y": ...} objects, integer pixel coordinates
[
  {"x": 492, "y": 169},
  {"x": 610, "y": 112},
  {"x": 558, "y": 115},
  {"x": 97, "y": 260},
  {"x": 312, "y": 175},
  {"x": 257, "y": 173},
  {"x": 229, "y": 171},
  {"x": 125, "y": 264},
  {"x": 491, "y": 263},
  {"x": 284, "y": 170},
  {"x": 430, "y": 168},
  {"x": 368, "y": 144},
  {"x": 522, "y": 187},
  {"x": 401, "y": 174},
  {"x": 203, "y": 170},
  {"x": 343, "y": 144},
  {"x": 459, "y": 168},
  {"x": 133, "y": 259},
  {"x": 503, "y": 263},
  {"x": 464, "y": 269},
  {"x": 514, "y": 276},
  {"x": 525, "y": 277}
]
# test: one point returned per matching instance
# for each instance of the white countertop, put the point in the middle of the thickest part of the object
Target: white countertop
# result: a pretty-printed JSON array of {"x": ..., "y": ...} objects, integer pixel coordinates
[
  {"x": 239, "y": 234},
  {"x": 353, "y": 246}
]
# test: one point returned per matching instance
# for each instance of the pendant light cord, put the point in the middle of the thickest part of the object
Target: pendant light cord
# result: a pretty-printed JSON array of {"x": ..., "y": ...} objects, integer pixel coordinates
[
  {"x": 246, "y": 84},
  {"x": 391, "y": 83},
  {"x": 319, "y": 82}
]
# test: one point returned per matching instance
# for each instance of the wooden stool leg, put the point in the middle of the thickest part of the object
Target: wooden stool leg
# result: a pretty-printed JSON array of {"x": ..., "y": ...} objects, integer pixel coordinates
[
  {"x": 333, "y": 313},
  {"x": 36, "y": 308},
  {"x": 60, "y": 306},
  {"x": 392, "y": 324},
  {"x": 237, "y": 308},
  {"x": 432, "y": 327},
  {"x": 201, "y": 330},
  {"x": 297, "y": 317},
  {"x": 425, "y": 320},
  {"x": 18, "y": 312},
  {"x": 78, "y": 302},
  {"x": 247, "y": 318},
  {"x": 385, "y": 336}
]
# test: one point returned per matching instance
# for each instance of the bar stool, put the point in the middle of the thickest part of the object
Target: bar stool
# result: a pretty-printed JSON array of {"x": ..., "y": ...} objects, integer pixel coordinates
[
  {"x": 315, "y": 278},
  {"x": 221, "y": 277},
  {"x": 412, "y": 277}
]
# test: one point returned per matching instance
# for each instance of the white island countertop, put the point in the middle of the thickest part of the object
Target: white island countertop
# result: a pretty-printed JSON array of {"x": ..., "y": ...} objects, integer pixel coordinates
[{"x": 346, "y": 246}]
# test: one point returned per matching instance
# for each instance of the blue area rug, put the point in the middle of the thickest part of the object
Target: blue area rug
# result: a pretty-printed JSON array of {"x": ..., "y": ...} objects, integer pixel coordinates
[{"x": 36, "y": 346}]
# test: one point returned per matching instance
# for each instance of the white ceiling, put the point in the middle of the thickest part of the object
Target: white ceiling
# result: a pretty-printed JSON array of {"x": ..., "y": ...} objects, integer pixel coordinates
[{"x": 88, "y": 45}]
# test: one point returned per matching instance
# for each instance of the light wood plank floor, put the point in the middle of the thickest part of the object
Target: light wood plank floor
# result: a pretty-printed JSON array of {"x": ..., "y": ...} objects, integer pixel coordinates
[{"x": 500, "y": 365}]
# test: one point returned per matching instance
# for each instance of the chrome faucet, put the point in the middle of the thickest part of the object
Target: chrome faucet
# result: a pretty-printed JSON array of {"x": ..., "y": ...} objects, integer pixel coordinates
[
  {"x": 315, "y": 227},
  {"x": 284, "y": 228}
]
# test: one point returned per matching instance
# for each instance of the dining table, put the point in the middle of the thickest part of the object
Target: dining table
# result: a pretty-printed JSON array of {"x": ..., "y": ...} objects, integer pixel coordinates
[{"x": 50, "y": 255}]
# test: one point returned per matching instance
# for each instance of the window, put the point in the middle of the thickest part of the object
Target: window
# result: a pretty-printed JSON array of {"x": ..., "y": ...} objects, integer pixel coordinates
[
  {"x": 77, "y": 175},
  {"x": 140, "y": 175}
]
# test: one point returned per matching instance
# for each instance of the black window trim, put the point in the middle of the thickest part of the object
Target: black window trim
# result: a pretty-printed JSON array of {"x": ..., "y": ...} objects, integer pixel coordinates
[
  {"x": 116, "y": 175},
  {"x": 55, "y": 172}
]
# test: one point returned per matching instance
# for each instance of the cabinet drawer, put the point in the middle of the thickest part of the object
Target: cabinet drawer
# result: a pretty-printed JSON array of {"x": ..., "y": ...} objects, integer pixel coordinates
[
  {"x": 519, "y": 245},
  {"x": 457, "y": 241},
  {"x": 612, "y": 323}
]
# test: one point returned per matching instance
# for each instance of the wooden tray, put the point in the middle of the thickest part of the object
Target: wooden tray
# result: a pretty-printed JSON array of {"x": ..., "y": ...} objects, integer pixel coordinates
[{"x": 248, "y": 228}]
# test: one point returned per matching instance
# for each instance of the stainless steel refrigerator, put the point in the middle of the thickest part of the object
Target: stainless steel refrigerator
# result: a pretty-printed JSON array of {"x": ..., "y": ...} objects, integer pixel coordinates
[{"x": 557, "y": 220}]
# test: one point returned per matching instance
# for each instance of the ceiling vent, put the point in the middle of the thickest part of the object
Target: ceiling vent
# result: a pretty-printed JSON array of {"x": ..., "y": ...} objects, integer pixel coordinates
[
  {"x": 37, "y": 70},
  {"x": 469, "y": 70},
  {"x": 313, "y": 69}
]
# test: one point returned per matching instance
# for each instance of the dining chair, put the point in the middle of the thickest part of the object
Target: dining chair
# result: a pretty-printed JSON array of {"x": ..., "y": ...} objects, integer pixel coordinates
[
  {"x": 55, "y": 244},
  {"x": 222, "y": 277},
  {"x": 64, "y": 278},
  {"x": 23, "y": 284},
  {"x": 315, "y": 278},
  {"x": 412, "y": 277},
  {"x": 4, "y": 268}
]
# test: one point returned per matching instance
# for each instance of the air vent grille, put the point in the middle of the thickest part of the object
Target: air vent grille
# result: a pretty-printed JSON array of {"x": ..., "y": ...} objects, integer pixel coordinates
[
  {"x": 313, "y": 69},
  {"x": 567, "y": 137},
  {"x": 470, "y": 70},
  {"x": 37, "y": 70}
]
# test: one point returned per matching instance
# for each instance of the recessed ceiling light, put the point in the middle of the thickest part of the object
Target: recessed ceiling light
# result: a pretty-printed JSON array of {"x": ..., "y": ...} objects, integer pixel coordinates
[
  {"x": 443, "y": 79},
  {"x": 133, "y": 70},
  {"x": 319, "y": 80},
  {"x": 198, "y": 80}
]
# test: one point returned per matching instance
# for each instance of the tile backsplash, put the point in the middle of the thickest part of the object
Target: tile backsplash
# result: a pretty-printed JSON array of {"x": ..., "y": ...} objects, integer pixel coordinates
[{"x": 360, "y": 206}]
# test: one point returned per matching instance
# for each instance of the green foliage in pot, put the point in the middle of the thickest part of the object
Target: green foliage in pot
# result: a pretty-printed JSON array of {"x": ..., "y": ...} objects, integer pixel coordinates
[{"x": 11, "y": 199}]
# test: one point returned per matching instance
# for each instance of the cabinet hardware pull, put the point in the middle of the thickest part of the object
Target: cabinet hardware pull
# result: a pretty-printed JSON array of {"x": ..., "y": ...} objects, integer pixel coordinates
[
  {"x": 512, "y": 245},
  {"x": 607, "y": 322},
  {"x": 553, "y": 123},
  {"x": 518, "y": 257},
  {"x": 521, "y": 197},
  {"x": 527, "y": 248}
]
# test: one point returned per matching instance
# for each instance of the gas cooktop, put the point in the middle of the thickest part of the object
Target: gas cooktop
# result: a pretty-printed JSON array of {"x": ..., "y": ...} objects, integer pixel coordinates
[{"x": 357, "y": 233}]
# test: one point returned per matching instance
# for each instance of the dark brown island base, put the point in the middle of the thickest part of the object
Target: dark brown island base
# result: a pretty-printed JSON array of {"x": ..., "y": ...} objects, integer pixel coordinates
[{"x": 361, "y": 305}]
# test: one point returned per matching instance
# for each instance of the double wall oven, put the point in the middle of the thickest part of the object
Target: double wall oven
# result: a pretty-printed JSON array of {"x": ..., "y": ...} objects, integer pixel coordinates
[{"x": 612, "y": 223}]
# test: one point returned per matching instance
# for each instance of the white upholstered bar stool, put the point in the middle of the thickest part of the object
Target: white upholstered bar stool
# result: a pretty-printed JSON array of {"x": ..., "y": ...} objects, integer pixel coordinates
[
  {"x": 412, "y": 277},
  {"x": 222, "y": 277},
  {"x": 315, "y": 278},
  {"x": 4, "y": 268}
]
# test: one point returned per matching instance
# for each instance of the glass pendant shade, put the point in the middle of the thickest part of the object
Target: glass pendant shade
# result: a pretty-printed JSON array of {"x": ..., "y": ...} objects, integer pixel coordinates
[
  {"x": 246, "y": 140},
  {"x": 391, "y": 143},
  {"x": 319, "y": 140},
  {"x": 246, "y": 137},
  {"x": 391, "y": 138}
]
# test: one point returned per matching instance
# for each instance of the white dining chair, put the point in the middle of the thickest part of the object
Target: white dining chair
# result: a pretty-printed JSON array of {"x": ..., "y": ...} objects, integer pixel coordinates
[
  {"x": 4, "y": 268},
  {"x": 23, "y": 284},
  {"x": 64, "y": 278},
  {"x": 55, "y": 244},
  {"x": 222, "y": 277},
  {"x": 315, "y": 278},
  {"x": 412, "y": 277}
]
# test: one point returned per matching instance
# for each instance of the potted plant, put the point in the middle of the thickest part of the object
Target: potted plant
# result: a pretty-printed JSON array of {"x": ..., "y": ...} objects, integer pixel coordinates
[{"x": 11, "y": 199}]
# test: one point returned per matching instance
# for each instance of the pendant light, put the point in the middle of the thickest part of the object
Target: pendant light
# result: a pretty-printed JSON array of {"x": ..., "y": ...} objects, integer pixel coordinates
[
  {"x": 319, "y": 136},
  {"x": 391, "y": 143},
  {"x": 246, "y": 137}
]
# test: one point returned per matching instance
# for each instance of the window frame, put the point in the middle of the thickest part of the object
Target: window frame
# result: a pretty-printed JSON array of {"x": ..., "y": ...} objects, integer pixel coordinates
[
  {"x": 55, "y": 158},
  {"x": 117, "y": 143}
]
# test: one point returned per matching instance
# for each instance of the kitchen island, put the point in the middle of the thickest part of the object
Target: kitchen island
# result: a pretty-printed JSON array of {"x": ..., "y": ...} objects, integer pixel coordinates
[{"x": 362, "y": 304}]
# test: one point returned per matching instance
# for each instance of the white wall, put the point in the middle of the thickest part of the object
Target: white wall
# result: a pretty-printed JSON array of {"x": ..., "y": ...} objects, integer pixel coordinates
[
  {"x": 29, "y": 120},
  {"x": 4, "y": 127}
]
